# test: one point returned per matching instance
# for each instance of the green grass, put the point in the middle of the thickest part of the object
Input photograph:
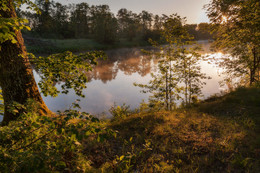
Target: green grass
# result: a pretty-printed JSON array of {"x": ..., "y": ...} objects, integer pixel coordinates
[
  {"x": 76, "y": 44},
  {"x": 240, "y": 103},
  {"x": 50, "y": 46},
  {"x": 219, "y": 135}
]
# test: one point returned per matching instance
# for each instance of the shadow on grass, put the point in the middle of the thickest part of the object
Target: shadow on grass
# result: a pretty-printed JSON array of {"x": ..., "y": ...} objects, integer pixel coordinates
[
  {"x": 220, "y": 135},
  {"x": 243, "y": 101}
]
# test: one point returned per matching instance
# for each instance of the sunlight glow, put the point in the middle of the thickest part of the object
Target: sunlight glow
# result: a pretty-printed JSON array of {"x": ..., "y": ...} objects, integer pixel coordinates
[
  {"x": 218, "y": 55},
  {"x": 224, "y": 19}
]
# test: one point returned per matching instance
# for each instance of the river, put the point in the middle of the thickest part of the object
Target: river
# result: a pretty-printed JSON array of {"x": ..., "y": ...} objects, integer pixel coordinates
[{"x": 112, "y": 80}]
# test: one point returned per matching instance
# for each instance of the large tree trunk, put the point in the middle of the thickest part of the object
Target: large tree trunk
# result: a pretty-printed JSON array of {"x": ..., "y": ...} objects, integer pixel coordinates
[{"x": 16, "y": 76}]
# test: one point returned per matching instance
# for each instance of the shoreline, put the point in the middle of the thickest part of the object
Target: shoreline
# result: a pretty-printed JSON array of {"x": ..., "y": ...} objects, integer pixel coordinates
[{"x": 45, "y": 47}]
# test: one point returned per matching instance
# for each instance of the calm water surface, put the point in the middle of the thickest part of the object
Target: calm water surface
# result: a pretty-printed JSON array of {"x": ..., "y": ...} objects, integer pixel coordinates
[{"x": 112, "y": 82}]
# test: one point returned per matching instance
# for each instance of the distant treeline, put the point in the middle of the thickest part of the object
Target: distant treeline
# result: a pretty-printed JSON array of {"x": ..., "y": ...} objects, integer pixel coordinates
[{"x": 99, "y": 23}]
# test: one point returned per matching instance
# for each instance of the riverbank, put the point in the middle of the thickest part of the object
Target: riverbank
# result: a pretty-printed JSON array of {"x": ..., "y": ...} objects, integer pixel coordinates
[
  {"x": 51, "y": 46},
  {"x": 220, "y": 134}
]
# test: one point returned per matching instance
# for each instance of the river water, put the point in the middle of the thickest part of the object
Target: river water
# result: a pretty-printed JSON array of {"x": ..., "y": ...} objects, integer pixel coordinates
[{"x": 112, "y": 80}]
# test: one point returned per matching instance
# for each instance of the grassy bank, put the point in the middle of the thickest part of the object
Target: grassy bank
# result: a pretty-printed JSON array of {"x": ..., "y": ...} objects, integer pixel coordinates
[
  {"x": 50, "y": 46},
  {"x": 221, "y": 134}
]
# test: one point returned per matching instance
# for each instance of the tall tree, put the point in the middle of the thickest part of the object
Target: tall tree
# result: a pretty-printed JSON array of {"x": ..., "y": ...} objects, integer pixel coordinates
[
  {"x": 80, "y": 19},
  {"x": 158, "y": 23},
  {"x": 123, "y": 18},
  {"x": 236, "y": 26},
  {"x": 60, "y": 17},
  {"x": 128, "y": 24},
  {"x": 16, "y": 76},
  {"x": 104, "y": 24},
  {"x": 46, "y": 23},
  {"x": 146, "y": 19}
]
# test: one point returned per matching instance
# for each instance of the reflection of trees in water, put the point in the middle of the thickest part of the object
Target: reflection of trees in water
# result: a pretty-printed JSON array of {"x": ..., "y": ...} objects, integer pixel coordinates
[
  {"x": 127, "y": 60},
  {"x": 105, "y": 71},
  {"x": 141, "y": 65}
]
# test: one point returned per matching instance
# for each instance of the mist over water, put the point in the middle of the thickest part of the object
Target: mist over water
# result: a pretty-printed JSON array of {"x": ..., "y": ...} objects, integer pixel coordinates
[{"x": 112, "y": 80}]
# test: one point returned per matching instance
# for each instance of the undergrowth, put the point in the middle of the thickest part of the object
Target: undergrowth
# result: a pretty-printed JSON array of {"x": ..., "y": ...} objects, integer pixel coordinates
[
  {"x": 36, "y": 143},
  {"x": 220, "y": 134}
]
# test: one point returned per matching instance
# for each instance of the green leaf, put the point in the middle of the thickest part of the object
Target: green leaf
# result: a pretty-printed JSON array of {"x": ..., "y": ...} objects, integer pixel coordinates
[{"x": 121, "y": 158}]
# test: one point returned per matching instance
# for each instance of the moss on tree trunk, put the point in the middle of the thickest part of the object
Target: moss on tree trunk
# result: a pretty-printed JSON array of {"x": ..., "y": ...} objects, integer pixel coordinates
[{"x": 16, "y": 76}]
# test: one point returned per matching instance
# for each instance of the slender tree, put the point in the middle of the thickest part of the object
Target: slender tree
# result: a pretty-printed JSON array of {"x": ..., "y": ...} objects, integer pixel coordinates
[
  {"x": 179, "y": 75},
  {"x": 164, "y": 85}
]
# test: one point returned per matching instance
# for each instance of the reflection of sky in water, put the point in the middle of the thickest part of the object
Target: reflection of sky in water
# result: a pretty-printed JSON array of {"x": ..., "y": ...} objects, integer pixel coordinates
[
  {"x": 112, "y": 82},
  {"x": 212, "y": 85},
  {"x": 101, "y": 96}
]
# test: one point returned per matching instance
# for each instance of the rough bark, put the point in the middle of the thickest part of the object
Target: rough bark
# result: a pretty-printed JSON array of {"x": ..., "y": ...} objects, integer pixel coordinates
[{"x": 16, "y": 76}]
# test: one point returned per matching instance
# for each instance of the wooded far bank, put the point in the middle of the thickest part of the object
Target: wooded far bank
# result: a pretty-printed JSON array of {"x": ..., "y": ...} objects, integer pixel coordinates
[{"x": 58, "y": 21}]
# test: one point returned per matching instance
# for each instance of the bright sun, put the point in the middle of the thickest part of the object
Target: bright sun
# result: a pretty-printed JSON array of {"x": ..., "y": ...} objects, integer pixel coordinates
[{"x": 224, "y": 19}]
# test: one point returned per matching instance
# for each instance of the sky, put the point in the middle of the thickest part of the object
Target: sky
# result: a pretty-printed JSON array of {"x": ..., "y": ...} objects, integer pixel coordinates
[{"x": 192, "y": 9}]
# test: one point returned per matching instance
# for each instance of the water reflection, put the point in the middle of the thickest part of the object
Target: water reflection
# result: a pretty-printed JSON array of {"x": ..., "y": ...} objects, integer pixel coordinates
[
  {"x": 112, "y": 81},
  {"x": 128, "y": 61}
]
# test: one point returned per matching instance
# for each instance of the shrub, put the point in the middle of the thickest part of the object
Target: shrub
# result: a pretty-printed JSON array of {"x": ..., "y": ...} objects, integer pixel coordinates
[
  {"x": 36, "y": 143},
  {"x": 120, "y": 112}
]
